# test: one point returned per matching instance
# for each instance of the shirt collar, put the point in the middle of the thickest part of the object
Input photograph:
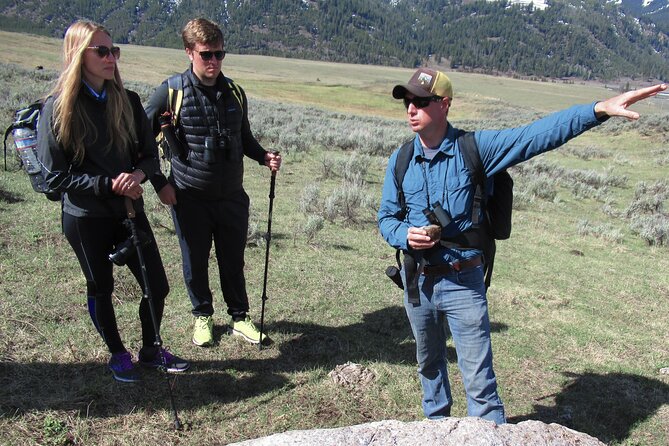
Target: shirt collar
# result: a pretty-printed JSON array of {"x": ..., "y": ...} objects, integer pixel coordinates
[
  {"x": 447, "y": 146},
  {"x": 220, "y": 80},
  {"x": 101, "y": 97}
]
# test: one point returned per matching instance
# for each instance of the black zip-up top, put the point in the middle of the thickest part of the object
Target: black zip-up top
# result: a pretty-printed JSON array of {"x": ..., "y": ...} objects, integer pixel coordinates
[
  {"x": 214, "y": 130},
  {"x": 87, "y": 187}
]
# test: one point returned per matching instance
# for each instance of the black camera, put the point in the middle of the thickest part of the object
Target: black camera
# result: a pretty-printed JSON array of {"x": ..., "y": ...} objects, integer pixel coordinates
[{"x": 125, "y": 250}]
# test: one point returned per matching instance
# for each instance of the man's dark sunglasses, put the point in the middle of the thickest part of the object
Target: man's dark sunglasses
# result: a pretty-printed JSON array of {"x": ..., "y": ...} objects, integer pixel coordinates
[
  {"x": 207, "y": 55},
  {"x": 103, "y": 51},
  {"x": 419, "y": 102}
]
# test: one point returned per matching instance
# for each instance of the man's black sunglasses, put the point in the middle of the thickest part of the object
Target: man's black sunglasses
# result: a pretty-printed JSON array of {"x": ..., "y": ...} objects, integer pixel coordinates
[
  {"x": 207, "y": 55},
  {"x": 103, "y": 51},
  {"x": 420, "y": 102}
]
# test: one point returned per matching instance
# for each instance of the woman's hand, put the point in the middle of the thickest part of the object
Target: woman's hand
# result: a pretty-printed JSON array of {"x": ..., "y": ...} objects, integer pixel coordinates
[{"x": 129, "y": 184}]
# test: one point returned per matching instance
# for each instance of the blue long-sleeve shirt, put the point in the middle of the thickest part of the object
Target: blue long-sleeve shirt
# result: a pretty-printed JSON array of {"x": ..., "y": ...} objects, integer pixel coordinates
[{"x": 445, "y": 178}]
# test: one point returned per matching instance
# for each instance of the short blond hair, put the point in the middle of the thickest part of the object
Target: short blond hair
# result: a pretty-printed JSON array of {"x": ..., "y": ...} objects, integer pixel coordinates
[{"x": 201, "y": 31}]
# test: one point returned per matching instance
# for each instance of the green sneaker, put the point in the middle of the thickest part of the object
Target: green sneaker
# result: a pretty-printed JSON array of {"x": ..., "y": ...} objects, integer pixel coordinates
[
  {"x": 203, "y": 333},
  {"x": 247, "y": 330}
]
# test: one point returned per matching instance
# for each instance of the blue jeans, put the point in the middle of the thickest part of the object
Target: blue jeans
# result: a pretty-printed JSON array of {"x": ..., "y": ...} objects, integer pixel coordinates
[{"x": 457, "y": 302}]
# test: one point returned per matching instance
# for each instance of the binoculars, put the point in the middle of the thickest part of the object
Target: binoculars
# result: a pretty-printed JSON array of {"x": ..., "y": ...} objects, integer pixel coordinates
[
  {"x": 437, "y": 215},
  {"x": 126, "y": 250},
  {"x": 213, "y": 144}
]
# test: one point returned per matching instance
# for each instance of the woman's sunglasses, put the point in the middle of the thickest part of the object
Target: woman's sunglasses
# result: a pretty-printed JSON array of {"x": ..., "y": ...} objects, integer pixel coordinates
[
  {"x": 207, "y": 55},
  {"x": 419, "y": 102},
  {"x": 103, "y": 51}
]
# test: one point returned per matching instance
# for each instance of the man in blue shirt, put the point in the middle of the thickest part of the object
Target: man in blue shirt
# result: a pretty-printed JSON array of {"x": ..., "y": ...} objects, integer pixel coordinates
[{"x": 449, "y": 280}]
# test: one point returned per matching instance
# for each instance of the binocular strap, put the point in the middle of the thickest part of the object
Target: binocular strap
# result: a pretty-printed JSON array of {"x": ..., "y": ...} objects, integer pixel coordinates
[{"x": 411, "y": 274}]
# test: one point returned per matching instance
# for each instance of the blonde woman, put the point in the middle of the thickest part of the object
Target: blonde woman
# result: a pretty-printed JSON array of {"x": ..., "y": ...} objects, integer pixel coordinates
[{"x": 97, "y": 148}]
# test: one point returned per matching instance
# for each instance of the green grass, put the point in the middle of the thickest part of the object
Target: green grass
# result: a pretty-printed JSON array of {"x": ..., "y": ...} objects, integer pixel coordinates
[{"x": 579, "y": 323}]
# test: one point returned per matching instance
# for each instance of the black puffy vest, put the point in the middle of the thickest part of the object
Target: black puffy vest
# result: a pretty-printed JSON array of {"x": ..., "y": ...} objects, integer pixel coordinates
[{"x": 213, "y": 167}]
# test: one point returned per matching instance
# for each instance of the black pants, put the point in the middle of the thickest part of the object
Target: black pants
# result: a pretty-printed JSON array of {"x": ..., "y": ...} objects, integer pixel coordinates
[
  {"x": 225, "y": 222},
  {"x": 93, "y": 239}
]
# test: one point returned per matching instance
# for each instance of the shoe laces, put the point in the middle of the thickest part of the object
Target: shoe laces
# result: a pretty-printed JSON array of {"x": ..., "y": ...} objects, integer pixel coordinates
[
  {"x": 248, "y": 323},
  {"x": 122, "y": 361},
  {"x": 202, "y": 322},
  {"x": 169, "y": 357}
]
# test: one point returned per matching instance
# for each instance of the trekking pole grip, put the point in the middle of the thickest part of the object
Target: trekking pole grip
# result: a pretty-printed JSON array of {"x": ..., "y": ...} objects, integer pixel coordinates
[
  {"x": 273, "y": 178},
  {"x": 129, "y": 207}
]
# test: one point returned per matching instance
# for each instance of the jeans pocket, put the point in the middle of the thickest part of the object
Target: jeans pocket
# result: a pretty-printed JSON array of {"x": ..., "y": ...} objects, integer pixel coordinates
[{"x": 471, "y": 277}]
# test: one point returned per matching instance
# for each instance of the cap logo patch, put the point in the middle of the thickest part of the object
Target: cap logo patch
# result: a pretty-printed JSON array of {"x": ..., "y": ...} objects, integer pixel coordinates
[{"x": 424, "y": 79}]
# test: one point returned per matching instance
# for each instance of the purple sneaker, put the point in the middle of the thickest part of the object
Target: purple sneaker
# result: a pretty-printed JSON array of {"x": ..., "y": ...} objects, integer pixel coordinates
[
  {"x": 122, "y": 368},
  {"x": 150, "y": 357}
]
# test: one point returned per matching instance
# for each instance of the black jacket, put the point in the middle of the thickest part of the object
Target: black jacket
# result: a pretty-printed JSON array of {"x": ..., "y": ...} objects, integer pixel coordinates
[
  {"x": 87, "y": 187},
  {"x": 213, "y": 169}
]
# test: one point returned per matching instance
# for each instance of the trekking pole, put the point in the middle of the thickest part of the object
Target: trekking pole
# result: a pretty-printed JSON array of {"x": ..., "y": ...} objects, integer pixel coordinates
[
  {"x": 268, "y": 238},
  {"x": 130, "y": 209}
]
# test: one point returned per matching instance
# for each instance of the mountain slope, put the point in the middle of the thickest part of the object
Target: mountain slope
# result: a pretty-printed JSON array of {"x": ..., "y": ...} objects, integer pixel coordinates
[{"x": 577, "y": 38}]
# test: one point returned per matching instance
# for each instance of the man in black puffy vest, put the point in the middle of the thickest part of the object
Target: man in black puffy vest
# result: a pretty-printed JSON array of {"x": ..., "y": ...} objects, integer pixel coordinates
[{"x": 205, "y": 185}]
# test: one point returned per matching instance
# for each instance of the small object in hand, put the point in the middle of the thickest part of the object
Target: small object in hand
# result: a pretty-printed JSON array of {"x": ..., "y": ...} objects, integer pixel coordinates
[{"x": 433, "y": 231}]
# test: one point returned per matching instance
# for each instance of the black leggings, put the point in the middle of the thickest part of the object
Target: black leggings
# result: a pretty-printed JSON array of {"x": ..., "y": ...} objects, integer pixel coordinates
[{"x": 93, "y": 239}]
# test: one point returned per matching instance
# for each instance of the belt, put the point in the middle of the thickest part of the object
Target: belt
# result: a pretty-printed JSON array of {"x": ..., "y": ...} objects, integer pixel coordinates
[{"x": 449, "y": 268}]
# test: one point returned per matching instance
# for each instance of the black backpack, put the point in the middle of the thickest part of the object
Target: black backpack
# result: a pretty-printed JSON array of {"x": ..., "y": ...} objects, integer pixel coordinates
[
  {"x": 497, "y": 206},
  {"x": 24, "y": 133}
]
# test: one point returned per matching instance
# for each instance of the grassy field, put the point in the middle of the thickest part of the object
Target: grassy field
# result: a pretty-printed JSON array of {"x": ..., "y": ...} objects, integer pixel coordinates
[{"x": 579, "y": 319}]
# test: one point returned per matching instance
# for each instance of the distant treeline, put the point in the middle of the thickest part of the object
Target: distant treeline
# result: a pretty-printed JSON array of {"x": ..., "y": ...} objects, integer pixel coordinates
[{"x": 589, "y": 39}]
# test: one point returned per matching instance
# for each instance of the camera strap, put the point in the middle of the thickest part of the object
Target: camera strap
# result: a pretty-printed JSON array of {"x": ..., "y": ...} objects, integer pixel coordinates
[{"x": 422, "y": 160}]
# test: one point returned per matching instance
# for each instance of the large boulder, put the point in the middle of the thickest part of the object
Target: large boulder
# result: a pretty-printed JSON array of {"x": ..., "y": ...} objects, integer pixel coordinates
[{"x": 446, "y": 432}]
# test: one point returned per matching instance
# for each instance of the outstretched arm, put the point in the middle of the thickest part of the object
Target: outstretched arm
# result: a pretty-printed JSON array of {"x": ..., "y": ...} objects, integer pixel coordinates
[{"x": 617, "y": 106}]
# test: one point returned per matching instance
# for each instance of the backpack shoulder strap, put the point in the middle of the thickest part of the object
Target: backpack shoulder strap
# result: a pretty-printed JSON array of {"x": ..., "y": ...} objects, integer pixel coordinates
[
  {"x": 175, "y": 95},
  {"x": 401, "y": 166},
  {"x": 410, "y": 266},
  {"x": 472, "y": 158},
  {"x": 7, "y": 132}
]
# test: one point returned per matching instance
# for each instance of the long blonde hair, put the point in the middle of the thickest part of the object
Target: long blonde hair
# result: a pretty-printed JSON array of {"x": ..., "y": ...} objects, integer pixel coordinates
[{"x": 70, "y": 121}]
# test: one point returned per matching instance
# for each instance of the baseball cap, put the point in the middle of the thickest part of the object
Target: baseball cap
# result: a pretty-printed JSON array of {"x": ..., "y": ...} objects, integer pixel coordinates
[{"x": 425, "y": 82}]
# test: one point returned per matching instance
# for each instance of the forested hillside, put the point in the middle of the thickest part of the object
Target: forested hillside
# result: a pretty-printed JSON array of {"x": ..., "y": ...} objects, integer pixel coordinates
[
  {"x": 589, "y": 39},
  {"x": 648, "y": 11}
]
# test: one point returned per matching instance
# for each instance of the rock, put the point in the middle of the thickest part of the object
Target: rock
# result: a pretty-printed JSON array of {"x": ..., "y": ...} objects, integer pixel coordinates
[
  {"x": 352, "y": 375},
  {"x": 433, "y": 231},
  {"x": 447, "y": 432}
]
